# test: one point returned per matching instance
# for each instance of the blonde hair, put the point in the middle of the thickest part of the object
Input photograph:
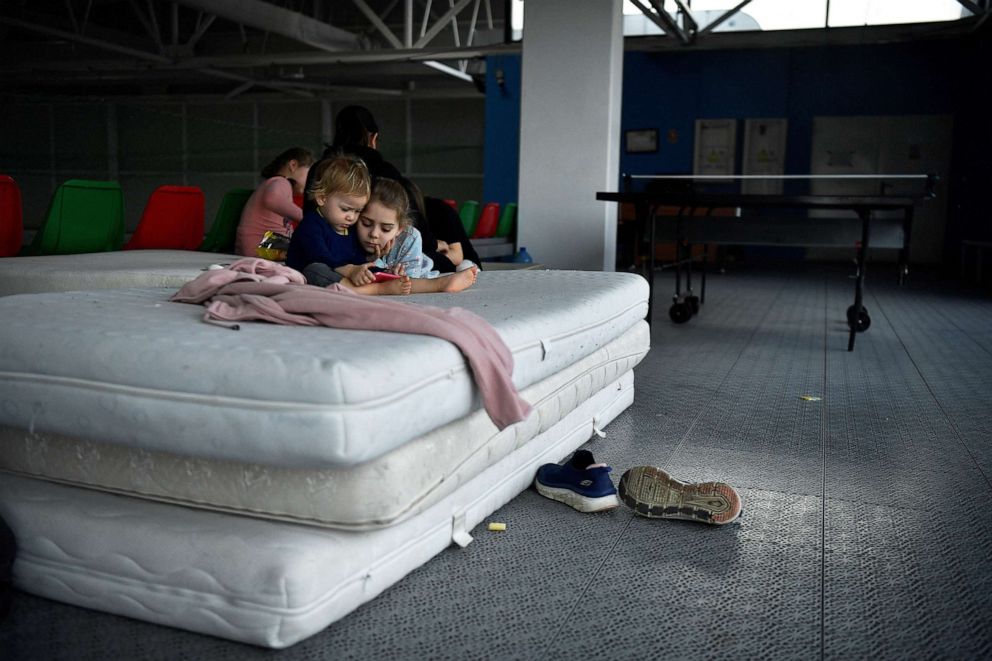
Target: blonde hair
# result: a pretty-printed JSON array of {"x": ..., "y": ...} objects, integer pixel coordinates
[
  {"x": 391, "y": 194},
  {"x": 341, "y": 175}
]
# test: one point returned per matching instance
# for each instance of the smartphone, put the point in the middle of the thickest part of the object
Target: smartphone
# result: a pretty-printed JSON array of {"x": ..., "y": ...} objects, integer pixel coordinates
[{"x": 382, "y": 276}]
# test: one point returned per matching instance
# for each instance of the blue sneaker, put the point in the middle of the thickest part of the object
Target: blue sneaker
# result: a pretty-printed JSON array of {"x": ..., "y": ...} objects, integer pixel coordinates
[{"x": 581, "y": 483}]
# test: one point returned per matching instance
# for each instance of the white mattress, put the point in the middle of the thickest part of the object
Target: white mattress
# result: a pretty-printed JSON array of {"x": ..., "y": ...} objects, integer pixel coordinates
[
  {"x": 395, "y": 486},
  {"x": 128, "y": 367},
  {"x": 263, "y": 582},
  {"x": 104, "y": 270}
]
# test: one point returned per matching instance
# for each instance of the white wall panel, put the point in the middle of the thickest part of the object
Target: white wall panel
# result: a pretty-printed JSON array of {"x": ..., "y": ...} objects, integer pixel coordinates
[{"x": 570, "y": 132}]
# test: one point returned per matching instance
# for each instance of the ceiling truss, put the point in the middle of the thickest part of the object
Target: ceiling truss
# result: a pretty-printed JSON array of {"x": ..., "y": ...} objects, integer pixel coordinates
[
  {"x": 298, "y": 48},
  {"x": 253, "y": 44}
]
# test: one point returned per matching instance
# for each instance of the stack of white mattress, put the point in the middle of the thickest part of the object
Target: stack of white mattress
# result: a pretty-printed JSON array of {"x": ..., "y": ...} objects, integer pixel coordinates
[
  {"x": 259, "y": 484},
  {"x": 105, "y": 270}
]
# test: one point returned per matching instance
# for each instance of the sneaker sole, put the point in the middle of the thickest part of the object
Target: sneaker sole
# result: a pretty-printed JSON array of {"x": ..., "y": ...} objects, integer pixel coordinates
[
  {"x": 578, "y": 501},
  {"x": 653, "y": 493}
]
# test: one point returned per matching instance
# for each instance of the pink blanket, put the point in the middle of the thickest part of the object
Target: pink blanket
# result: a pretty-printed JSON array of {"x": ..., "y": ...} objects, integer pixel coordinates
[{"x": 257, "y": 289}]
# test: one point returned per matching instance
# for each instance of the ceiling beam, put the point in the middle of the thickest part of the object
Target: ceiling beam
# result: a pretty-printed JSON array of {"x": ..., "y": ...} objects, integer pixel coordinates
[
  {"x": 249, "y": 60},
  {"x": 439, "y": 25},
  {"x": 149, "y": 57},
  {"x": 727, "y": 14},
  {"x": 271, "y": 18},
  {"x": 378, "y": 23},
  {"x": 83, "y": 39}
]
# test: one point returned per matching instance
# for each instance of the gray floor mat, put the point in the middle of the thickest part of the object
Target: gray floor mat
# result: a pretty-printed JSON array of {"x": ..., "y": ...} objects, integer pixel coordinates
[{"x": 866, "y": 532}]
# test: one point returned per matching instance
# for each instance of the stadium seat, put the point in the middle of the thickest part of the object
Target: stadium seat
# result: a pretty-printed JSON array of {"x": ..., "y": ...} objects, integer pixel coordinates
[
  {"x": 469, "y": 213},
  {"x": 488, "y": 220},
  {"x": 506, "y": 220},
  {"x": 83, "y": 216},
  {"x": 172, "y": 219},
  {"x": 224, "y": 229},
  {"x": 11, "y": 217}
]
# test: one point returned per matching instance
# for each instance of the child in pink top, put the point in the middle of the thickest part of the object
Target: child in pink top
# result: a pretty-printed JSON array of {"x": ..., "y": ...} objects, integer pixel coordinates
[{"x": 271, "y": 206}]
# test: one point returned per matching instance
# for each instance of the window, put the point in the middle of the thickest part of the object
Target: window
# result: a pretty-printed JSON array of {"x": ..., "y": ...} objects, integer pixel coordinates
[{"x": 779, "y": 14}]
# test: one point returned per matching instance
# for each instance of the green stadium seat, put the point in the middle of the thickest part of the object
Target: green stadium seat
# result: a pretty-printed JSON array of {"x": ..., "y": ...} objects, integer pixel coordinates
[
  {"x": 469, "y": 213},
  {"x": 506, "y": 220},
  {"x": 83, "y": 216},
  {"x": 224, "y": 229}
]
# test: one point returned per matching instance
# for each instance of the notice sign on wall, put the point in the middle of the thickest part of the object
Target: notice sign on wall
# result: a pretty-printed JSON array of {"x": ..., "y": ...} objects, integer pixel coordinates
[
  {"x": 716, "y": 141},
  {"x": 764, "y": 154}
]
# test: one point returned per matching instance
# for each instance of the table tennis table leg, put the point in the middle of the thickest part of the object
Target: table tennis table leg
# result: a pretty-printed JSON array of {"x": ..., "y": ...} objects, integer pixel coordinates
[
  {"x": 680, "y": 311},
  {"x": 907, "y": 228},
  {"x": 702, "y": 277},
  {"x": 857, "y": 317},
  {"x": 690, "y": 299}
]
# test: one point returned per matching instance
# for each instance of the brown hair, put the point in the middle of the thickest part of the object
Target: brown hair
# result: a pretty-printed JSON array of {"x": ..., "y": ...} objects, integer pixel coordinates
[
  {"x": 417, "y": 205},
  {"x": 353, "y": 126},
  {"x": 302, "y": 156},
  {"x": 340, "y": 175},
  {"x": 390, "y": 194}
]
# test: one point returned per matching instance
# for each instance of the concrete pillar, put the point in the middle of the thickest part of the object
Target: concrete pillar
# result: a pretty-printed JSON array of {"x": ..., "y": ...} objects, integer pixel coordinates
[{"x": 572, "y": 68}]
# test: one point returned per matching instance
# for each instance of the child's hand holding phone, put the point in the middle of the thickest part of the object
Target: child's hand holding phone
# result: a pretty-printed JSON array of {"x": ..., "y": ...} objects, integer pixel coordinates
[{"x": 361, "y": 274}]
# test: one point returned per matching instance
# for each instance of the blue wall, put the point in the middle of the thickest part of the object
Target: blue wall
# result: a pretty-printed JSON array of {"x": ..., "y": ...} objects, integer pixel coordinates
[
  {"x": 670, "y": 90},
  {"x": 502, "y": 130}
]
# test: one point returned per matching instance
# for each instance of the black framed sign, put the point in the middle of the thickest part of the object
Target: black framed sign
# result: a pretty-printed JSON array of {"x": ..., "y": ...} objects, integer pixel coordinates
[{"x": 641, "y": 141}]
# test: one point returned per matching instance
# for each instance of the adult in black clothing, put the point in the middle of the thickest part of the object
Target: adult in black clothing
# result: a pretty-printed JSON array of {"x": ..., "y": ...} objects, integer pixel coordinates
[
  {"x": 356, "y": 132},
  {"x": 453, "y": 242}
]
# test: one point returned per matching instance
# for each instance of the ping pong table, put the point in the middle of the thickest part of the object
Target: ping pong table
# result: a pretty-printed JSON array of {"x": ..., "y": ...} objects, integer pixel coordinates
[{"x": 694, "y": 223}]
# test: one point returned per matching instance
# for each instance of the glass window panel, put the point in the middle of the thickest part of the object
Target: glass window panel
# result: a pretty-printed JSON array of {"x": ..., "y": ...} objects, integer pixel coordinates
[
  {"x": 758, "y": 15},
  {"x": 793, "y": 15},
  {"x": 787, "y": 15},
  {"x": 887, "y": 12}
]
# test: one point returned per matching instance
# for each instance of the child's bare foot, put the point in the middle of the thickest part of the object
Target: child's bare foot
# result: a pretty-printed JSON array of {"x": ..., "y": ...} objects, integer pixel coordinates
[
  {"x": 398, "y": 287},
  {"x": 461, "y": 280}
]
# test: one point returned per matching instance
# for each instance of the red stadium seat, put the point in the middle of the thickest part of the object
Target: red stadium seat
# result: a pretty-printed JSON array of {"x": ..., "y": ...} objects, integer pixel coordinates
[
  {"x": 172, "y": 219},
  {"x": 11, "y": 217},
  {"x": 488, "y": 221}
]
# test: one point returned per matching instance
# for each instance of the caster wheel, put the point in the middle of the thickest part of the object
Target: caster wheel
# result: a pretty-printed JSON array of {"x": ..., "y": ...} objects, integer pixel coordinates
[
  {"x": 859, "y": 323},
  {"x": 693, "y": 303},
  {"x": 680, "y": 313}
]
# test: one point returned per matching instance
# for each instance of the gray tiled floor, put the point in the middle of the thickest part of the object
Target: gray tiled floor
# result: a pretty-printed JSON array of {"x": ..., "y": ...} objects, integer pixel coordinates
[{"x": 867, "y": 530}]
